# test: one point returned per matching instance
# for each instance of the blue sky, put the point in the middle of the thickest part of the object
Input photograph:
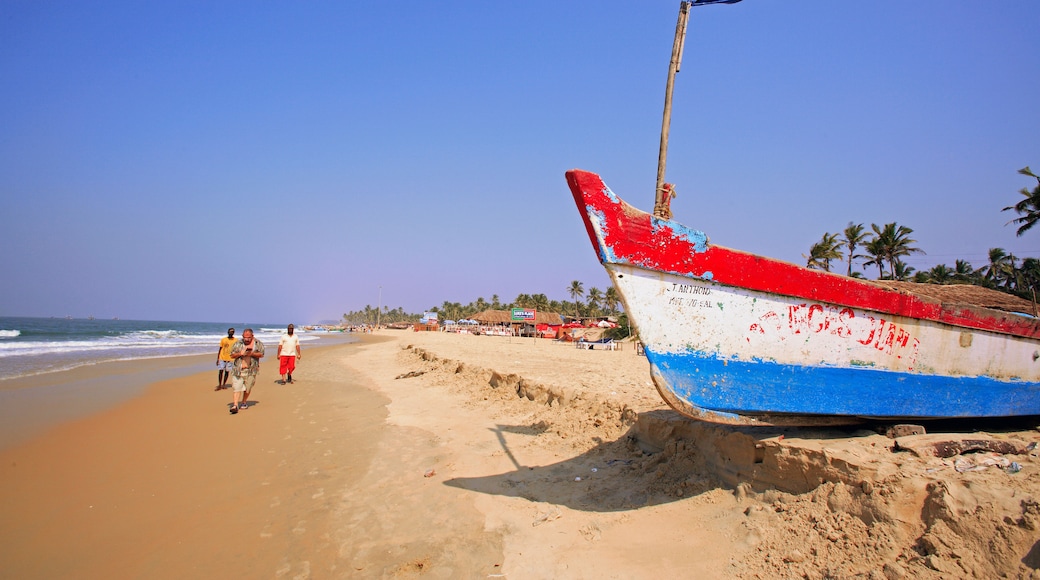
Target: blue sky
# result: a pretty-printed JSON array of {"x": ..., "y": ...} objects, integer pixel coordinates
[{"x": 221, "y": 161}]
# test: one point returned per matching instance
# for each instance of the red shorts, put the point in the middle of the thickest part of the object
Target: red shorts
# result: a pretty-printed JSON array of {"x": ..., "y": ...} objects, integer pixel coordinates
[{"x": 286, "y": 364}]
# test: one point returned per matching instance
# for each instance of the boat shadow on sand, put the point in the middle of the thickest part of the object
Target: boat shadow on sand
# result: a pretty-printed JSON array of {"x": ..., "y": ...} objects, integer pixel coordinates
[{"x": 665, "y": 457}]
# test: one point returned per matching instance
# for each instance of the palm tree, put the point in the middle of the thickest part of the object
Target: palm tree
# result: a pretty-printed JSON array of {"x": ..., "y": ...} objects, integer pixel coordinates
[
  {"x": 876, "y": 252},
  {"x": 595, "y": 299},
  {"x": 496, "y": 303},
  {"x": 900, "y": 271},
  {"x": 540, "y": 302},
  {"x": 940, "y": 274},
  {"x": 854, "y": 237},
  {"x": 962, "y": 271},
  {"x": 611, "y": 299},
  {"x": 822, "y": 252},
  {"x": 1000, "y": 268},
  {"x": 1030, "y": 273},
  {"x": 895, "y": 242},
  {"x": 1011, "y": 273},
  {"x": 576, "y": 291},
  {"x": 1028, "y": 208},
  {"x": 451, "y": 310}
]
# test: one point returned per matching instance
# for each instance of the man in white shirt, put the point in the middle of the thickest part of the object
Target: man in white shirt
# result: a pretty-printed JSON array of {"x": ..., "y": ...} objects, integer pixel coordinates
[{"x": 289, "y": 351}]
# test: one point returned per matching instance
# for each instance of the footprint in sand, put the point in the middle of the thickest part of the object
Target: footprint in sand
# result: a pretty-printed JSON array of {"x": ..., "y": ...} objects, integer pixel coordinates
[
  {"x": 286, "y": 568},
  {"x": 299, "y": 529},
  {"x": 321, "y": 493},
  {"x": 275, "y": 502},
  {"x": 591, "y": 532},
  {"x": 327, "y": 452}
]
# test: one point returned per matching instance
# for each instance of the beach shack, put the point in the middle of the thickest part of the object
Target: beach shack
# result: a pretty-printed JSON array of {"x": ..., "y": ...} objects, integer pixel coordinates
[
  {"x": 427, "y": 322},
  {"x": 527, "y": 323}
]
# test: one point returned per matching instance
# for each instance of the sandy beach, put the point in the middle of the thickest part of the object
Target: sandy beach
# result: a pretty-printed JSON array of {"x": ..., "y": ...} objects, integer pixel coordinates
[{"x": 455, "y": 456}]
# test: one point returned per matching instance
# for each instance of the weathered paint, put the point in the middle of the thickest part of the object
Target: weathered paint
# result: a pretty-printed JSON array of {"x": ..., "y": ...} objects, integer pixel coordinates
[
  {"x": 737, "y": 333},
  {"x": 623, "y": 234}
]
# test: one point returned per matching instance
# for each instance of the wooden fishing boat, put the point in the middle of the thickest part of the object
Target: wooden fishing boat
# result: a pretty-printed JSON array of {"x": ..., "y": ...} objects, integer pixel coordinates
[
  {"x": 731, "y": 335},
  {"x": 740, "y": 334}
]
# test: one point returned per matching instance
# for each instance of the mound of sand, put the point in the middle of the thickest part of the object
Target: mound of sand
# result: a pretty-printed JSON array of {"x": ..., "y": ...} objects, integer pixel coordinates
[{"x": 786, "y": 502}]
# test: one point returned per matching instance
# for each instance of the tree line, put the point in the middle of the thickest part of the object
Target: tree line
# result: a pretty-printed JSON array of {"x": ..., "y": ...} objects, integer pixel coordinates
[
  {"x": 885, "y": 246},
  {"x": 597, "y": 303}
]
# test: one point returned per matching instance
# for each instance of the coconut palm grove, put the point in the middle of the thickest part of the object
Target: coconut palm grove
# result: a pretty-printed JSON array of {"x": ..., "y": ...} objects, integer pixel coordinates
[
  {"x": 596, "y": 303},
  {"x": 882, "y": 247}
]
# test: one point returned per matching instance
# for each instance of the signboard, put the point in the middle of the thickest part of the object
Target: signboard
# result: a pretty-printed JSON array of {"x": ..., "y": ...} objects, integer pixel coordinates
[{"x": 523, "y": 315}]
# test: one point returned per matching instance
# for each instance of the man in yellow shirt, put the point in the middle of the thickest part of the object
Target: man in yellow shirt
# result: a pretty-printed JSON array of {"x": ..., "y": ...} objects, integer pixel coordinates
[{"x": 224, "y": 359}]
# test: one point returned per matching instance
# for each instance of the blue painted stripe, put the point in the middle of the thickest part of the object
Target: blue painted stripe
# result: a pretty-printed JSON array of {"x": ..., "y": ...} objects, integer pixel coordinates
[{"x": 750, "y": 387}]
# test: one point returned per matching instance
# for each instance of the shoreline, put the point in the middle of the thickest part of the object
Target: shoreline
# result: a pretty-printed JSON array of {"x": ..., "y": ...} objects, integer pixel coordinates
[
  {"x": 167, "y": 484},
  {"x": 29, "y": 405}
]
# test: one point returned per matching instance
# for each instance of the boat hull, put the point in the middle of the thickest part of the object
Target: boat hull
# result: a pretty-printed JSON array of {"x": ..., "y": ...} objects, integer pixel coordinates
[{"x": 717, "y": 343}]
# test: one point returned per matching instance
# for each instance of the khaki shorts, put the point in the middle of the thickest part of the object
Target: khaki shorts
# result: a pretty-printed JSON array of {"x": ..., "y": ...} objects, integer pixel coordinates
[{"x": 243, "y": 383}]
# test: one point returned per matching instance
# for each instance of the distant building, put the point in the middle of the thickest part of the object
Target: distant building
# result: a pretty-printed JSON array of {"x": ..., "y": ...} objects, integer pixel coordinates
[{"x": 545, "y": 324}]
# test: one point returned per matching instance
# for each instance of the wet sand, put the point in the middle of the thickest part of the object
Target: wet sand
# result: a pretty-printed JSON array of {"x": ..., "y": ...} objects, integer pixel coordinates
[
  {"x": 30, "y": 405},
  {"x": 170, "y": 485}
]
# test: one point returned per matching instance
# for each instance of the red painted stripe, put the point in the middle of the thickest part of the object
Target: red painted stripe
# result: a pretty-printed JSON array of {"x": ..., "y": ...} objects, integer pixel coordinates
[{"x": 630, "y": 235}]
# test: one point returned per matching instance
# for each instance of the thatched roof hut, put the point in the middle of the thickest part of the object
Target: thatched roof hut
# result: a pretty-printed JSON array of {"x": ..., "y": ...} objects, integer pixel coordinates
[{"x": 506, "y": 317}]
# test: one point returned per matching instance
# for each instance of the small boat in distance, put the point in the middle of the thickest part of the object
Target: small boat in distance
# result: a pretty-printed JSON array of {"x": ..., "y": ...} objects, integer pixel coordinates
[{"x": 739, "y": 334}]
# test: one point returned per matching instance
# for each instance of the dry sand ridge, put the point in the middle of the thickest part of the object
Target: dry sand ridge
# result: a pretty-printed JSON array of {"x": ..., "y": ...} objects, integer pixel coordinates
[{"x": 813, "y": 503}]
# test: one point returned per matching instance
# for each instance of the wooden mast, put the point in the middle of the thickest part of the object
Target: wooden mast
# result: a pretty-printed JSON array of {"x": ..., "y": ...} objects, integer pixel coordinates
[{"x": 663, "y": 192}]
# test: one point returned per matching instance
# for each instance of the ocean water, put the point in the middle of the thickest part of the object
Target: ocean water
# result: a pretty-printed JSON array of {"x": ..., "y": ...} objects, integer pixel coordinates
[{"x": 31, "y": 346}]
